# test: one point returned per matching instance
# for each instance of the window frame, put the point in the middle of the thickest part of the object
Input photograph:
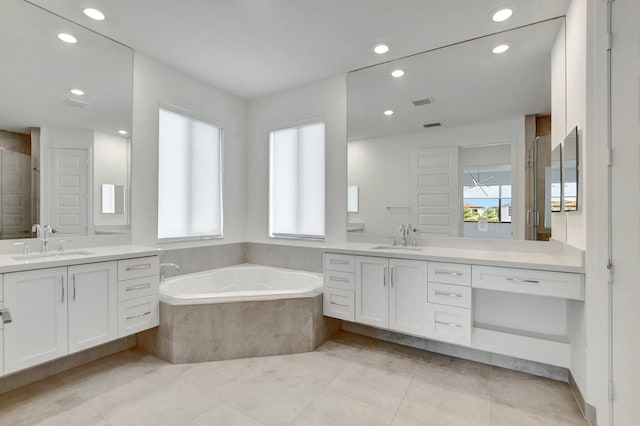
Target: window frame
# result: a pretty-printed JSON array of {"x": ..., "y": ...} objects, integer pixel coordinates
[
  {"x": 193, "y": 116},
  {"x": 297, "y": 125}
]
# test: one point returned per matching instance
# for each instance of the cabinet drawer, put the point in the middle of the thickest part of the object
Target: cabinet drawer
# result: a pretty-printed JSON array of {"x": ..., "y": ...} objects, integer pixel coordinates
[
  {"x": 339, "y": 262},
  {"x": 449, "y": 273},
  {"x": 137, "y": 314},
  {"x": 138, "y": 268},
  {"x": 449, "y": 294},
  {"x": 139, "y": 287},
  {"x": 338, "y": 304},
  {"x": 343, "y": 280},
  {"x": 543, "y": 283},
  {"x": 449, "y": 323}
]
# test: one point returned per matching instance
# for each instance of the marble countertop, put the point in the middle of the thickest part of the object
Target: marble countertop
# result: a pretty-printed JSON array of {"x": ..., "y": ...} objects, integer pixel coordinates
[
  {"x": 17, "y": 262},
  {"x": 570, "y": 261}
]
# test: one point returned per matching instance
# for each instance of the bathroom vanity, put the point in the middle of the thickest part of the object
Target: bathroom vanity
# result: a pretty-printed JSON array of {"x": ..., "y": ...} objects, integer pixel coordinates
[
  {"x": 58, "y": 303},
  {"x": 507, "y": 302}
]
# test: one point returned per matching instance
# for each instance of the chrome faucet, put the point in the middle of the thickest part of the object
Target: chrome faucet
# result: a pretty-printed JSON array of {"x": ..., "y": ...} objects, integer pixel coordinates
[
  {"x": 405, "y": 230},
  {"x": 43, "y": 232},
  {"x": 163, "y": 266}
]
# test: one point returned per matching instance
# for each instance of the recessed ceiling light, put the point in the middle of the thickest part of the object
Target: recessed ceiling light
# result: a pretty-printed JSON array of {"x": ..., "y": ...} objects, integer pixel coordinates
[
  {"x": 500, "y": 48},
  {"x": 502, "y": 15},
  {"x": 67, "y": 38},
  {"x": 123, "y": 132},
  {"x": 381, "y": 48},
  {"x": 388, "y": 112},
  {"x": 397, "y": 73},
  {"x": 94, "y": 14},
  {"x": 77, "y": 92}
]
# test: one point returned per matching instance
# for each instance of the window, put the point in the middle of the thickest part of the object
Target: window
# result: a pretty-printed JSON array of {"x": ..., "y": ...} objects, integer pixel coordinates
[
  {"x": 487, "y": 193},
  {"x": 189, "y": 178},
  {"x": 296, "y": 182}
]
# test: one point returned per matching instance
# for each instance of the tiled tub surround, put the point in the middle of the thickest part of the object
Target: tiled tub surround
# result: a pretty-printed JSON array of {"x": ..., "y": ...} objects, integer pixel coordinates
[{"x": 227, "y": 313}]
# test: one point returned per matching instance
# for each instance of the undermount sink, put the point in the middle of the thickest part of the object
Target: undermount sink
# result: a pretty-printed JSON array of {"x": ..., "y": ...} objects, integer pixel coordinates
[
  {"x": 388, "y": 247},
  {"x": 52, "y": 255}
]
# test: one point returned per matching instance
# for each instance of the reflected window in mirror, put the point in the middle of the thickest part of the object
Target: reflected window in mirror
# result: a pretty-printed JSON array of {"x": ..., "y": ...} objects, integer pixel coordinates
[
  {"x": 352, "y": 199},
  {"x": 189, "y": 178},
  {"x": 296, "y": 182}
]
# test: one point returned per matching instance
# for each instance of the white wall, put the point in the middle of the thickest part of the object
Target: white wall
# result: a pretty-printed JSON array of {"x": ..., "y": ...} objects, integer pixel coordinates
[
  {"x": 326, "y": 99},
  {"x": 110, "y": 165},
  {"x": 153, "y": 84},
  {"x": 380, "y": 167}
]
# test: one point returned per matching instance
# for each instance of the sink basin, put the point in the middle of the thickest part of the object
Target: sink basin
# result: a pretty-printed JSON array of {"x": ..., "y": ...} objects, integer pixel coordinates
[
  {"x": 54, "y": 255},
  {"x": 387, "y": 247}
]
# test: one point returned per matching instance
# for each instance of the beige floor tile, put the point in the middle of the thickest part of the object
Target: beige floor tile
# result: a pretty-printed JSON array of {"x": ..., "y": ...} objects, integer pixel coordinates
[
  {"x": 506, "y": 415},
  {"x": 374, "y": 384},
  {"x": 36, "y": 402},
  {"x": 333, "y": 409},
  {"x": 223, "y": 415},
  {"x": 447, "y": 400},
  {"x": 400, "y": 420},
  {"x": 82, "y": 415}
]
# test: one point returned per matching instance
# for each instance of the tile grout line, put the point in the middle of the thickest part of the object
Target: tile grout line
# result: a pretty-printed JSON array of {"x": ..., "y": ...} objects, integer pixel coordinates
[
  {"x": 403, "y": 397},
  {"x": 313, "y": 400}
]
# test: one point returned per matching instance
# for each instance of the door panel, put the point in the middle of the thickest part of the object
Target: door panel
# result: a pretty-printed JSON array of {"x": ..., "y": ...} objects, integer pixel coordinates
[
  {"x": 407, "y": 295},
  {"x": 372, "y": 295},
  {"x": 69, "y": 191}
]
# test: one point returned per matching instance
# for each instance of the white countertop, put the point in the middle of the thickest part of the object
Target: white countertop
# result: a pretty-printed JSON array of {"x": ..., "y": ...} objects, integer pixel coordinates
[
  {"x": 97, "y": 254},
  {"x": 547, "y": 261}
]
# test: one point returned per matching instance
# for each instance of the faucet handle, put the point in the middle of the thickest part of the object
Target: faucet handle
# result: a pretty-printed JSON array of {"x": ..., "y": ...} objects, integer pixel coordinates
[
  {"x": 61, "y": 245},
  {"x": 26, "y": 248}
]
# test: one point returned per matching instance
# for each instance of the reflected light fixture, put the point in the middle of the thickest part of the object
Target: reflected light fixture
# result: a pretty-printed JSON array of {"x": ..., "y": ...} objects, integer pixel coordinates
[
  {"x": 123, "y": 132},
  {"x": 388, "y": 112},
  {"x": 77, "y": 92},
  {"x": 500, "y": 48},
  {"x": 381, "y": 48},
  {"x": 397, "y": 73},
  {"x": 94, "y": 14},
  {"x": 67, "y": 38},
  {"x": 501, "y": 15}
]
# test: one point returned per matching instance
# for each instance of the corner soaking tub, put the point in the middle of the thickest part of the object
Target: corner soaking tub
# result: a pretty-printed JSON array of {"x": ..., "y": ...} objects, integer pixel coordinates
[{"x": 239, "y": 311}]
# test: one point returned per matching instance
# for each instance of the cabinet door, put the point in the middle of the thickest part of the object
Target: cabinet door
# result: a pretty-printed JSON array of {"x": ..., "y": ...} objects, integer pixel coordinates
[
  {"x": 93, "y": 309},
  {"x": 408, "y": 295},
  {"x": 372, "y": 291},
  {"x": 38, "y": 304}
]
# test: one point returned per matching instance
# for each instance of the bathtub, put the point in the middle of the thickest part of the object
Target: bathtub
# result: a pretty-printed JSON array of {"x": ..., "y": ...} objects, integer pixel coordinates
[
  {"x": 239, "y": 311},
  {"x": 240, "y": 283}
]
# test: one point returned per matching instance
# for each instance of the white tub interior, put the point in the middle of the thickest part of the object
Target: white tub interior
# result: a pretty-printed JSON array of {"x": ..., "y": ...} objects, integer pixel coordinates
[{"x": 237, "y": 283}]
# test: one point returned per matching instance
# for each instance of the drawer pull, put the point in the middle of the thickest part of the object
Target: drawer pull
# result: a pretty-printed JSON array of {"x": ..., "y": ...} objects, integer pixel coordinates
[
  {"x": 139, "y": 315},
  {"x": 339, "y": 279},
  {"x": 449, "y": 324},
  {"x": 447, "y": 294},
  {"x": 339, "y": 304},
  {"x": 138, "y": 287},
  {"x": 338, "y": 262},
  {"x": 520, "y": 280},
  {"x": 6, "y": 316},
  {"x": 451, "y": 273},
  {"x": 136, "y": 267},
  {"x": 384, "y": 276}
]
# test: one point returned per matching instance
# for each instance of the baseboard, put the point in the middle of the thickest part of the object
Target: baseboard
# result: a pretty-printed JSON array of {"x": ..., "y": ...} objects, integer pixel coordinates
[{"x": 588, "y": 410}]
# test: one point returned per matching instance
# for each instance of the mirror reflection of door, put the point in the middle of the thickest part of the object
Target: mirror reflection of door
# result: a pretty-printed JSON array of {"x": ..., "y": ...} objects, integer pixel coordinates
[{"x": 69, "y": 187}]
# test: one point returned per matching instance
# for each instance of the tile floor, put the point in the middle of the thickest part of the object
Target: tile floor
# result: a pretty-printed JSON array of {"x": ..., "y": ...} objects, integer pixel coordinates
[{"x": 350, "y": 380}]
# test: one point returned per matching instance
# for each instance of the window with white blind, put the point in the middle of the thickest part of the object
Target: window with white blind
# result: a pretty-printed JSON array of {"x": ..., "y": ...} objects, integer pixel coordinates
[
  {"x": 189, "y": 178},
  {"x": 296, "y": 182}
]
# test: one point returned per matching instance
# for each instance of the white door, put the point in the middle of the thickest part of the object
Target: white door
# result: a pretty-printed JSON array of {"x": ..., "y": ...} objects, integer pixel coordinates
[
  {"x": 69, "y": 191},
  {"x": 93, "y": 310},
  {"x": 434, "y": 191},
  {"x": 372, "y": 294},
  {"x": 408, "y": 295},
  {"x": 38, "y": 304}
]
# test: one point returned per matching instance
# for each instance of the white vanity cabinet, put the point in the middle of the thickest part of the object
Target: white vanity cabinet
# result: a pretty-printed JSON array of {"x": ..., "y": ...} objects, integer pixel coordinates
[
  {"x": 38, "y": 303},
  {"x": 339, "y": 285},
  {"x": 391, "y": 293},
  {"x": 138, "y": 300},
  {"x": 93, "y": 310}
]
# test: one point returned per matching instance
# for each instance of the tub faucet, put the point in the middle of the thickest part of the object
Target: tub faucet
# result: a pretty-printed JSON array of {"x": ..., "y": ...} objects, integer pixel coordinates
[{"x": 164, "y": 266}]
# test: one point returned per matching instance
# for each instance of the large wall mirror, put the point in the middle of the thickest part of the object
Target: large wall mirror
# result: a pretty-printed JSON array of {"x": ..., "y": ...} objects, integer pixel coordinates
[
  {"x": 459, "y": 136},
  {"x": 65, "y": 122}
]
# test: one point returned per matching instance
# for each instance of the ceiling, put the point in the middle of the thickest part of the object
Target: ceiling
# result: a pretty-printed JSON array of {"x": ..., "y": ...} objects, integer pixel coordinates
[{"x": 252, "y": 48}]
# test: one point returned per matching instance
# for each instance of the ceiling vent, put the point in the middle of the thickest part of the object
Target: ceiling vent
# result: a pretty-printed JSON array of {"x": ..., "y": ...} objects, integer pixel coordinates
[
  {"x": 428, "y": 126},
  {"x": 425, "y": 101},
  {"x": 75, "y": 103}
]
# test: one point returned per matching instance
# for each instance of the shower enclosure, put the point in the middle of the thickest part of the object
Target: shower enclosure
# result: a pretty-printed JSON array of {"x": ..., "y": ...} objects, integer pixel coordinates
[
  {"x": 538, "y": 179},
  {"x": 18, "y": 209}
]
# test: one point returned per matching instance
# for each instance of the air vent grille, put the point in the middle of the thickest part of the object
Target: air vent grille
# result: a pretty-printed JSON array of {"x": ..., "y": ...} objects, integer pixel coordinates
[
  {"x": 425, "y": 101},
  {"x": 427, "y": 126},
  {"x": 75, "y": 103}
]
